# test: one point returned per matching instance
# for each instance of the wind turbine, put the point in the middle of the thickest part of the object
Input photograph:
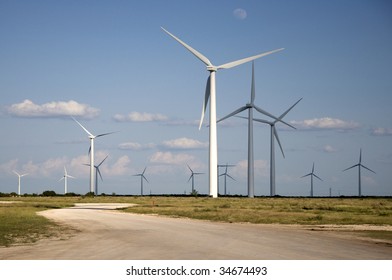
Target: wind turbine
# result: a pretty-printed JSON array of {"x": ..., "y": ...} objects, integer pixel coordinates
[
  {"x": 274, "y": 135},
  {"x": 141, "y": 180},
  {"x": 210, "y": 93},
  {"x": 97, "y": 171},
  {"x": 65, "y": 176},
  {"x": 226, "y": 174},
  {"x": 92, "y": 137},
  {"x": 311, "y": 179},
  {"x": 250, "y": 106},
  {"x": 359, "y": 171},
  {"x": 19, "y": 176},
  {"x": 193, "y": 177}
]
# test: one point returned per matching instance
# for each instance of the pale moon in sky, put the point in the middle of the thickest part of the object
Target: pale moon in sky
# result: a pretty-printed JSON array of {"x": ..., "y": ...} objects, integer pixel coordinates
[{"x": 240, "y": 14}]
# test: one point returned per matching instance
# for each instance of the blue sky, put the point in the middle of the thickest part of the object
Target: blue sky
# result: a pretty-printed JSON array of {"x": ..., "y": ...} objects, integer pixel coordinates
[{"x": 109, "y": 64}]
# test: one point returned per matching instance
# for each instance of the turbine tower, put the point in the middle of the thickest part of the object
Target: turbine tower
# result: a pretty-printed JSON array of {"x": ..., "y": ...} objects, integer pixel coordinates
[
  {"x": 311, "y": 179},
  {"x": 359, "y": 171},
  {"x": 142, "y": 177},
  {"x": 19, "y": 176},
  {"x": 226, "y": 174},
  {"x": 274, "y": 135},
  {"x": 97, "y": 171},
  {"x": 65, "y": 176},
  {"x": 210, "y": 93},
  {"x": 193, "y": 177},
  {"x": 250, "y": 106},
  {"x": 92, "y": 137}
]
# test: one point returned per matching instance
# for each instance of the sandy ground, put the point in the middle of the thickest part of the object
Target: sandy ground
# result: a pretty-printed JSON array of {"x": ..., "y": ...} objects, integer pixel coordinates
[{"x": 104, "y": 234}]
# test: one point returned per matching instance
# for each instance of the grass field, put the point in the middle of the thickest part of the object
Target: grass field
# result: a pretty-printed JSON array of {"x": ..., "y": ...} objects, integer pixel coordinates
[{"x": 19, "y": 222}]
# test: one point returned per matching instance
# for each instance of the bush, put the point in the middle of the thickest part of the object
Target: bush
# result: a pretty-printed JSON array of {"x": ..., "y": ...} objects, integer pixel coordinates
[{"x": 49, "y": 193}]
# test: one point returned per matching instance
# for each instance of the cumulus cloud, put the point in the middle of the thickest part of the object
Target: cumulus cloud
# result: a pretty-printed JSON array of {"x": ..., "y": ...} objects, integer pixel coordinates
[
  {"x": 261, "y": 168},
  {"x": 240, "y": 14},
  {"x": 325, "y": 124},
  {"x": 140, "y": 117},
  {"x": 170, "y": 158},
  {"x": 54, "y": 109},
  {"x": 184, "y": 143},
  {"x": 381, "y": 131}
]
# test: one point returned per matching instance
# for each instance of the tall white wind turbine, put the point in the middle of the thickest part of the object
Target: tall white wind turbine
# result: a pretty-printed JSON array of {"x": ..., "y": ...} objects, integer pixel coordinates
[
  {"x": 359, "y": 164},
  {"x": 142, "y": 177},
  {"x": 211, "y": 94},
  {"x": 193, "y": 177},
  {"x": 311, "y": 174},
  {"x": 92, "y": 137},
  {"x": 250, "y": 106},
  {"x": 226, "y": 174},
  {"x": 65, "y": 177},
  {"x": 19, "y": 176},
  {"x": 97, "y": 171},
  {"x": 274, "y": 135}
]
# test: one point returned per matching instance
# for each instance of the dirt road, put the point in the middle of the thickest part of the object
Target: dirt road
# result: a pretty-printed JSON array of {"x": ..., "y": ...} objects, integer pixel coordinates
[{"x": 111, "y": 235}]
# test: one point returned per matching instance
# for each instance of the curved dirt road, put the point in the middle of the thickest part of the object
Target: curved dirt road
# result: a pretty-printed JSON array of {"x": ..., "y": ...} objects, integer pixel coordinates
[{"x": 112, "y": 235}]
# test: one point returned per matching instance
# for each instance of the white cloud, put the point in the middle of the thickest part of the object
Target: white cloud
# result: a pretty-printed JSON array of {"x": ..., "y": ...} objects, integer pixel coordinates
[
  {"x": 381, "y": 131},
  {"x": 54, "y": 109},
  {"x": 120, "y": 167},
  {"x": 184, "y": 143},
  {"x": 136, "y": 146},
  {"x": 140, "y": 117},
  {"x": 240, "y": 14},
  {"x": 329, "y": 149},
  {"x": 325, "y": 124},
  {"x": 261, "y": 168},
  {"x": 170, "y": 158}
]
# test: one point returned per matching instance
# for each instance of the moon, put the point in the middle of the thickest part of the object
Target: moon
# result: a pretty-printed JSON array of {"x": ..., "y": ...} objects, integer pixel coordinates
[{"x": 240, "y": 14}]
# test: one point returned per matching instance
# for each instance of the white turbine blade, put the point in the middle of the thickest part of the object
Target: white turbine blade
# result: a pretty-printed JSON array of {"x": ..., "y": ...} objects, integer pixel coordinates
[
  {"x": 88, "y": 132},
  {"x": 69, "y": 176},
  {"x": 24, "y": 174},
  {"x": 62, "y": 178},
  {"x": 277, "y": 139},
  {"x": 350, "y": 167},
  {"x": 205, "y": 101},
  {"x": 103, "y": 134},
  {"x": 244, "y": 60},
  {"x": 253, "y": 91},
  {"x": 367, "y": 168},
  {"x": 288, "y": 110},
  {"x": 268, "y": 114},
  {"x": 233, "y": 113},
  {"x": 99, "y": 172},
  {"x": 16, "y": 173},
  {"x": 258, "y": 120},
  {"x": 102, "y": 161},
  {"x": 204, "y": 59}
]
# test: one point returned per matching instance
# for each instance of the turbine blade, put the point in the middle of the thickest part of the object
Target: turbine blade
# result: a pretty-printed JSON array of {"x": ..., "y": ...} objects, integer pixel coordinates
[
  {"x": 253, "y": 91},
  {"x": 102, "y": 161},
  {"x": 205, "y": 102},
  {"x": 16, "y": 173},
  {"x": 88, "y": 132},
  {"x": 69, "y": 176},
  {"x": 200, "y": 56},
  {"x": 144, "y": 170},
  {"x": 288, "y": 110},
  {"x": 230, "y": 177},
  {"x": 259, "y": 120},
  {"x": 62, "y": 178},
  {"x": 367, "y": 168},
  {"x": 350, "y": 167},
  {"x": 190, "y": 177},
  {"x": 103, "y": 134},
  {"x": 190, "y": 168},
  {"x": 277, "y": 139},
  {"x": 266, "y": 113},
  {"x": 360, "y": 156},
  {"x": 247, "y": 59},
  {"x": 145, "y": 178},
  {"x": 233, "y": 113},
  {"x": 317, "y": 177},
  {"x": 307, "y": 175},
  {"x": 99, "y": 172}
]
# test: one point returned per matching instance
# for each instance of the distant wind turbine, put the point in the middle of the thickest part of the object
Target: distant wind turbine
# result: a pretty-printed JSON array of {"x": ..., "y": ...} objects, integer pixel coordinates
[
  {"x": 142, "y": 177},
  {"x": 250, "y": 106},
  {"x": 311, "y": 180},
  {"x": 65, "y": 177},
  {"x": 274, "y": 135},
  {"x": 226, "y": 174},
  {"x": 92, "y": 137},
  {"x": 359, "y": 164},
  {"x": 193, "y": 177},
  {"x": 97, "y": 171},
  {"x": 210, "y": 93},
  {"x": 19, "y": 176}
]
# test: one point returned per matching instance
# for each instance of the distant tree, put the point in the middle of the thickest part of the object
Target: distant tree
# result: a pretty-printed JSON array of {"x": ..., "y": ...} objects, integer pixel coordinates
[
  {"x": 194, "y": 193},
  {"x": 89, "y": 194},
  {"x": 49, "y": 193}
]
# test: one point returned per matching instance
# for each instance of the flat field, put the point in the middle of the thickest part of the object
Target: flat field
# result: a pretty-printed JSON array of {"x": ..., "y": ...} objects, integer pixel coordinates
[{"x": 19, "y": 222}]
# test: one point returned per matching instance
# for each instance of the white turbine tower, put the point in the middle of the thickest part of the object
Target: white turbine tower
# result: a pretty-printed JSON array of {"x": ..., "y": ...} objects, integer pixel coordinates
[
  {"x": 142, "y": 177},
  {"x": 65, "y": 177},
  {"x": 250, "y": 106},
  {"x": 19, "y": 176},
  {"x": 274, "y": 135},
  {"x": 92, "y": 137},
  {"x": 359, "y": 164},
  {"x": 311, "y": 174},
  {"x": 211, "y": 94},
  {"x": 226, "y": 174},
  {"x": 97, "y": 171},
  {"x": 193, "y": 177}
]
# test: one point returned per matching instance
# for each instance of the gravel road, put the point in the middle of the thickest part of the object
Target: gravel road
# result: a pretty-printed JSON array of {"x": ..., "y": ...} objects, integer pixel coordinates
[{"x": 105, "y": 234}]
